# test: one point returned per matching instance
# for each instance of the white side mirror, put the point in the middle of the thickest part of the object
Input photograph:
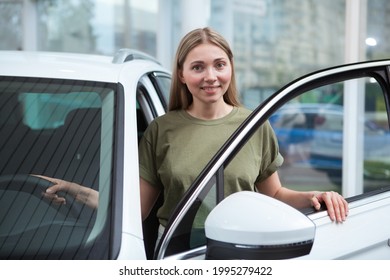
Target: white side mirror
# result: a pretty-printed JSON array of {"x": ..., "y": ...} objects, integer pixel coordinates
[{"x": 249, "y": 225}]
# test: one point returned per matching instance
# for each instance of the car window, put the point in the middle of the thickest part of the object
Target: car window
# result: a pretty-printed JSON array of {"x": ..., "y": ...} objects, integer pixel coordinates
[
  {"x": 188, "y": 237},
  {"x": 61, "y": 129},
  {"x": 162, "y": 83},
  {"x": 152, "y": 93},
  {"x": 310, "y": 129}
]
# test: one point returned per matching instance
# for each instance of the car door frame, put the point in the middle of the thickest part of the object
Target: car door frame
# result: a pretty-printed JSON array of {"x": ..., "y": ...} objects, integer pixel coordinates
[{"x": 375, "y": 69}]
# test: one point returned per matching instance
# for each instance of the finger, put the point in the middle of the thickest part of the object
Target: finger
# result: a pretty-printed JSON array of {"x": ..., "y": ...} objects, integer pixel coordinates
[
  {"x": 329, "y": 205},
  {"x": 338, "y": 208},
  {"x": 315, "y": 202},
  {"x": 54, "y": 198},
  {"x": 55, "y": 188},
  {"x": 52, "y": 189},
  {"x": 45, "y": 178},
  {"x": 341, "y": 210},
  {"x": 344, "y": 207}
]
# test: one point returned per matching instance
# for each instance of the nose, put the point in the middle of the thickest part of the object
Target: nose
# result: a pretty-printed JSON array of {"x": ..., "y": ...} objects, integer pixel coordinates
[{"x": 210, "y": 75}]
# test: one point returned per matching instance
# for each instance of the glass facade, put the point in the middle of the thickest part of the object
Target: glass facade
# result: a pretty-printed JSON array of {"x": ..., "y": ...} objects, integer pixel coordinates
[
  {"x": 11, "y": 25},
  {"x": 277, "y": 41},
  {"x": 274, "y": 41},
  {"x": 378, "y": 30},
  {"x": 95, "y": 26}
]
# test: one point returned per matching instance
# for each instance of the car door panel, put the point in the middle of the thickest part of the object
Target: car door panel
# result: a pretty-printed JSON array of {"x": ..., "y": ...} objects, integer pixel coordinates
[{"x": 364, "y": 235}]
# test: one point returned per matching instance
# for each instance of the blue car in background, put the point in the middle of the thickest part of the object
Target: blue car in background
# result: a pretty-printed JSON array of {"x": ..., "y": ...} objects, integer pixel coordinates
[{"x": 311, "y": 135}]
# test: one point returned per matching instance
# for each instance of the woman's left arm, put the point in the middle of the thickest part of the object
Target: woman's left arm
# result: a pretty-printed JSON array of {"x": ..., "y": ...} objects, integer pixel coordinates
[{"x": 337, "y": 206}]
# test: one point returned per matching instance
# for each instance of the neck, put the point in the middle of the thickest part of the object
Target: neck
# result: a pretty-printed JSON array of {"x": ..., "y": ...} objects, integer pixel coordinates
[{"x": 210, "y": 112}]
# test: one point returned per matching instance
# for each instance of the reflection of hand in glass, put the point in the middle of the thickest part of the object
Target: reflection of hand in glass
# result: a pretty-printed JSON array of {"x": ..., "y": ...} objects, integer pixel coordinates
[{"x": 81, "y": 194}]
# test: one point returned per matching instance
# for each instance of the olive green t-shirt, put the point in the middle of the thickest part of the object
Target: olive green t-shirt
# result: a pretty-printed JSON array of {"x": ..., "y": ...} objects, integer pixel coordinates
[{"x": 176, "y": 147}]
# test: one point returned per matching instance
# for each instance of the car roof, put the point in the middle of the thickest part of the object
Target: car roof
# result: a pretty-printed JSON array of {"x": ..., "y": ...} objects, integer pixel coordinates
[{"x": 75, "y": 66}]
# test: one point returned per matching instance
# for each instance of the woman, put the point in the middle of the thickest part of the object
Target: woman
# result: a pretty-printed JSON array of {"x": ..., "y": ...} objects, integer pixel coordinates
[{"x": 203, "y": 112}]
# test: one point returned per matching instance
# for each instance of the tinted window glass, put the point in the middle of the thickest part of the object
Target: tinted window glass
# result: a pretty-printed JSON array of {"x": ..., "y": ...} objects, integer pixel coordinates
[
  {"x": 190, "y": 232},
  {"x": 162, "y": 84},
  {"x": 64, "y": 130}
]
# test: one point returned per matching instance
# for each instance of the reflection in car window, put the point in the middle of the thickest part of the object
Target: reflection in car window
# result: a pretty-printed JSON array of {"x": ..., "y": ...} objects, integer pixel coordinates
[
  {"x": 64, "y": 130},
  {"x": 49, "y": 110},
  {"x": 162, "y": 84},
  {"x": 190, "y": 232},
  {"x": 310, "y": 129}
]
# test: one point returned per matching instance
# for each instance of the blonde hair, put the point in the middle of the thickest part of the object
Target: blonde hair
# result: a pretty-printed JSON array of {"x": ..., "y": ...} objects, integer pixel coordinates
[{"x": 180, "y": 96}]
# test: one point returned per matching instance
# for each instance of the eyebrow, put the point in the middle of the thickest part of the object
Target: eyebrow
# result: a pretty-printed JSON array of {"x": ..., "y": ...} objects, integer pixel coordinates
[{"x": 215, "y": 60}]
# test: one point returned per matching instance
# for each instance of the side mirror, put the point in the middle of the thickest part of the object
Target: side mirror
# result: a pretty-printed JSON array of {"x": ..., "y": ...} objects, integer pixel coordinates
[{"x": 249, "y": 225}]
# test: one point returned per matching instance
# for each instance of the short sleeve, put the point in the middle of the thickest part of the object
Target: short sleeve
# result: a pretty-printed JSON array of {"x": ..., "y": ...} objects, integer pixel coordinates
[
  {"x": 272, "y": 159},
  {"x": 272, "y": 168}
]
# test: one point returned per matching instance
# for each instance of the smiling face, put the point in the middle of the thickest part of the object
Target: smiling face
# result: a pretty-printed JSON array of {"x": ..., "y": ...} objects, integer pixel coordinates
[{"x": 207, "y": 73}]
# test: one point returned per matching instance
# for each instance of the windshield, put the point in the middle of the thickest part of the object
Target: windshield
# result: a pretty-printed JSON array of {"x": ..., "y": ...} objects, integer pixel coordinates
[{"x": 60, "y": 129}]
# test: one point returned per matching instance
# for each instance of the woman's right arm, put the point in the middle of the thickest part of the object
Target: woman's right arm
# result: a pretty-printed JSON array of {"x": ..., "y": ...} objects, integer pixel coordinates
[{"x": 149, "y": 196}]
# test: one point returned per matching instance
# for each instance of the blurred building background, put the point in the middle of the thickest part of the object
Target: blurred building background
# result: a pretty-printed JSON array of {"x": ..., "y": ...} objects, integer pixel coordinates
[{"x": 274, "y": 41}]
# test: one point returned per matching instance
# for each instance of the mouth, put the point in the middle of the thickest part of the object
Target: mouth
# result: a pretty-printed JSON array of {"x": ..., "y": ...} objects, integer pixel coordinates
[{"x": 210, "y": 88}]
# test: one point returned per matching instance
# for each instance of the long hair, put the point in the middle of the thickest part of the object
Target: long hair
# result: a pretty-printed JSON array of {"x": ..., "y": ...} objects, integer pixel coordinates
[{"x": 180, "y": 96}]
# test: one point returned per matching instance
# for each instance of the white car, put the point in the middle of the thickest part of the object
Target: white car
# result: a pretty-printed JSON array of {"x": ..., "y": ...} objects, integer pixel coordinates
[{"x": 79, "y": 118}]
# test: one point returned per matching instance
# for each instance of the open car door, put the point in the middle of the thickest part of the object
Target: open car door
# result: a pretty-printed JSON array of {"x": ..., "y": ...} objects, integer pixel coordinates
[{"x": 318, "y": 153}]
